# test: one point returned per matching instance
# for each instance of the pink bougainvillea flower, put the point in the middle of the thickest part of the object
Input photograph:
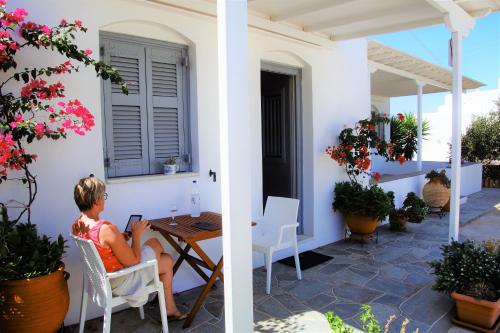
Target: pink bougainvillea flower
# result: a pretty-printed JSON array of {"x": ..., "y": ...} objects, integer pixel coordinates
[
  {"x": 13, "y": 46},
  {"x": 13, "y": 124},
  {"x": 3, "y": 2},
  {"x": 63, "y": 22},
  {"x": 88, "y": 52},
  {"x": 45, "y": 29},
  {"x": 78, "y": 23},
  {"x": 15, "y": 17},
  {"x": 401, "y": 116},
  {"x": 376, "y": 176},
  {"x": 4, "y": 34},
  {"x": 40, "y": 130}
]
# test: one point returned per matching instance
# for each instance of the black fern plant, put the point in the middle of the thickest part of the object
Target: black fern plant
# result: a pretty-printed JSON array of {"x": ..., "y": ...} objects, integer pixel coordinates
[
  {"x": 469, "y": 269},
  {"x": 24, "y": 253}
]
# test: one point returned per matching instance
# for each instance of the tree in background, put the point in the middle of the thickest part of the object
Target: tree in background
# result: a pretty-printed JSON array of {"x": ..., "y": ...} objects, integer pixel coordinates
[
  {"x": 481, "y": 141},
  {"x": 404, "y": 133}
]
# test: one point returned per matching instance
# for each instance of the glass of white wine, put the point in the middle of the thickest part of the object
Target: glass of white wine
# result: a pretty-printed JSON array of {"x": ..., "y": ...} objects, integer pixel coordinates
[{"x": 173, "y": 210}]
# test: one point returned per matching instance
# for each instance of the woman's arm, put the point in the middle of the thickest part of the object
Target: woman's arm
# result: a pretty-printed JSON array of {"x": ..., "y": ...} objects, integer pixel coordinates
[{"x": 112, "y": 237}]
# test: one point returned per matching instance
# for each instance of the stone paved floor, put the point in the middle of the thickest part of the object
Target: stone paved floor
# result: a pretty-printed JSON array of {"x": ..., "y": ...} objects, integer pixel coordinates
[{"x": 392, "y": 276}]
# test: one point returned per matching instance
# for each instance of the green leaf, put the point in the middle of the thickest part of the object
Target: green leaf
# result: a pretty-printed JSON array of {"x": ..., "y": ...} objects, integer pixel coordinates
[{"x": 25, "y": 77}]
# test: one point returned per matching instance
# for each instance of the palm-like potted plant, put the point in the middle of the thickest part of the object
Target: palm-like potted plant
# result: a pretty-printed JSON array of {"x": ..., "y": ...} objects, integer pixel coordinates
[
  {"x": 33, "y": 290},
  {"x": 362, "y": 206},
  {"x": 470, "y": 272}
]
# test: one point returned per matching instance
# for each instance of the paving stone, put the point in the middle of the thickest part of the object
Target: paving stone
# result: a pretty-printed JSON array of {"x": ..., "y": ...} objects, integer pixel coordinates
[
  {"x": 393, "y": 272},
  {"x": 358, "y": 251},
  {"x": 382, "y": 312},
  {"x": 412, "y": 326},
  {"x": 392, "y": 287},
  {"x": 353, "y": 275},
  {"x": 390, "y": 300},
  {"x": 274, "y": 308},
  {"x": 259, "y": 316},
  {"x": 320, "y": 301},
  {"x": 147, "y": 327},
  {"x": 365, "y": 267},
  {"x": 427, "y": 306},
  {"x": 291, "y": 303},
  {"x": 332, "y": 268},
  {"x": 215, "y": 308},
  {"x": 354, "y": 293},
  {"x": 413, "y": 268},
  {"x": 305, "y": 289},
  {"x": 419, "y": 279},
  {"x": 343, "y": 310},
  {"x": 207, "y": 328}
]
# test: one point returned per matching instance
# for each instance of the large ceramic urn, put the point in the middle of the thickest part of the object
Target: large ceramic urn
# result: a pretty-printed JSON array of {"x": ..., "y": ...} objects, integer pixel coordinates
[{"x": 436, "y": 193}]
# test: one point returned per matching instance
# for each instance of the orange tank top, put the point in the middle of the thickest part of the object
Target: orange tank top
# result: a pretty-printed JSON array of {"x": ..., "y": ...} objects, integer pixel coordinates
[{"x": 110, "y": 261}]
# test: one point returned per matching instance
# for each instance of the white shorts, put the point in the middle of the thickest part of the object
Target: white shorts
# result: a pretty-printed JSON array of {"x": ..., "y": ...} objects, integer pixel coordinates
[{"x": 132, "y": 286}]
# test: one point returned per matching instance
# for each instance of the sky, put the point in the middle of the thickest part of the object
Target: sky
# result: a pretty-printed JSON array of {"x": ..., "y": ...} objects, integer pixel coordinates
[{"x": 480, "y": 56}]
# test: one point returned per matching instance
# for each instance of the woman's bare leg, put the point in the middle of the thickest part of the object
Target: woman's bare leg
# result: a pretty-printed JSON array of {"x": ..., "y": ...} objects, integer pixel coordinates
[{"x": 165, "y": 266}]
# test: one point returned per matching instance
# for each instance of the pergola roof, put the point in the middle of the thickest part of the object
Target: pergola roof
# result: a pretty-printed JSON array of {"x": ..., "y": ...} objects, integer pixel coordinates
[
  {"x": 396, "y": 72},
  {"x": 320, "y": 22}
]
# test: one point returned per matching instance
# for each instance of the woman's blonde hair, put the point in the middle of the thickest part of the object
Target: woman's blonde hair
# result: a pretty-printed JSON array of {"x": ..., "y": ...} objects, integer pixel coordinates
[{"x": 87, "y": 191}]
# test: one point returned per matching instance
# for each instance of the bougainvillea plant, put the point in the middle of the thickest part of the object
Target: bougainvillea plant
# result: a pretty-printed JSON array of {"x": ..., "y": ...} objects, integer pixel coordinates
[
  {"x": 39, "y": 110},
  {"x": 358, "y": 143}
]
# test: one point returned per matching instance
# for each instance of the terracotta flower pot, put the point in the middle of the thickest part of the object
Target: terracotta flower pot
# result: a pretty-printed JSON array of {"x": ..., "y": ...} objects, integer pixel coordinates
[
  {"x": 435, "y": 193},
  {"x": 361, "y": 225},
  {"x": 398, "y": 222},
  {"x": 34, "y": 305},
  {"x": 477, "y": 312}
]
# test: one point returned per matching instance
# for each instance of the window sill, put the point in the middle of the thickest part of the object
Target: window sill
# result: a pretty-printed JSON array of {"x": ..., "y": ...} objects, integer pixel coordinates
[{"x": 135, "y": 179}]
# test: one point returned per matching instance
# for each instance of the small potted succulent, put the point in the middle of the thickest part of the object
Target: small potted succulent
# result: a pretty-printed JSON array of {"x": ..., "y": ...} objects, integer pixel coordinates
[
  {"x": 170, "y": 165},
  {"x": 470, "y": 272},
  {"x": 415, "y": 208}
]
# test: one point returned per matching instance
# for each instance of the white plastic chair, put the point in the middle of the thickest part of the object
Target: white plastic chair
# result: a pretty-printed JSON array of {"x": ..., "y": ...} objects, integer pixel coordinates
[
  {"x": 95, "y": 274},
  {"x": 278, "y": 227}
]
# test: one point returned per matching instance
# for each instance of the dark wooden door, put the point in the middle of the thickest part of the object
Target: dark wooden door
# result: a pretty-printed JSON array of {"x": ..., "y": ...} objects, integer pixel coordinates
[{"x": 276, "y": 135}]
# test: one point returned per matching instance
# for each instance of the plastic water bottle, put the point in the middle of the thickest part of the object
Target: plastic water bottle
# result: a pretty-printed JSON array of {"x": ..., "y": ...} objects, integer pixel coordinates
[{"x": 195, "y": 200}]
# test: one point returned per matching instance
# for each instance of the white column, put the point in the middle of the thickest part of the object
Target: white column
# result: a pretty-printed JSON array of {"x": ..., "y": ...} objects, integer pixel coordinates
[
  {"x": 420, "y": 86},
  {"x": 456, "y": 142},
  {"x": 235, "y": 164}
]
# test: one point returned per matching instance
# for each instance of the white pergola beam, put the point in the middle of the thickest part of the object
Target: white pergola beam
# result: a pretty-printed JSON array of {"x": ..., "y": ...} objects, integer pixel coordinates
[
  {"x": 311, "y": 8},
  {"x": 232, "y": 39},
  {"x": 387, "y": 28},
  {"x": 409, "y": 75},
  {"x": 456, "y": 18},
  {"x": 360, "y": 18}
]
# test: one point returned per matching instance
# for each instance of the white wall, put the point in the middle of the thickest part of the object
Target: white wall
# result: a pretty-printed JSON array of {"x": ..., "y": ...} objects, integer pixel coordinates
[{"x": 335, "y": 92}]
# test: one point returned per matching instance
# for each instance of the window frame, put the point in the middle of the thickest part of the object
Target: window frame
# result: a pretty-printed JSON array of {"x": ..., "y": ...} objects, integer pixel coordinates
[{"x": 185, "y": 156}]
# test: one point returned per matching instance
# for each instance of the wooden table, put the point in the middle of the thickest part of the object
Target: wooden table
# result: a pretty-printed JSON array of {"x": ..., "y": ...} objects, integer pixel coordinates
[{"x": 186, "y": 232}]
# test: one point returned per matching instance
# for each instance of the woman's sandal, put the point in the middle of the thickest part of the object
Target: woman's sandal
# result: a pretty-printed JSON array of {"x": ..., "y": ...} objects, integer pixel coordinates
[{"x": 177, "y": 317}]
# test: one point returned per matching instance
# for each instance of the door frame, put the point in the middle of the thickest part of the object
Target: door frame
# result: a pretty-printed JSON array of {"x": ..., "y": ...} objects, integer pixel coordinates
[{"x": 295, "y": 73}]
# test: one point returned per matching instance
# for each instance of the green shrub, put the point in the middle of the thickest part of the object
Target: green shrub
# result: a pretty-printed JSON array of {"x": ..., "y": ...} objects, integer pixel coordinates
[
  {"x": 354, "y": 198},
  {"x": 24, "y": 254},
  {"x": 470, "y": 269},
  {"x": 481, "y": 141},
  {"x": 415, "y": 208},
  {"x": 440, "y": 176}
]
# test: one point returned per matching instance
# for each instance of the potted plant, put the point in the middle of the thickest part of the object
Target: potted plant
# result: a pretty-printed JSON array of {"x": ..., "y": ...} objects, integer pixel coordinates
[
  {"x": 170, "y": 166},
  {"x": 362, "y": 206},
  {"x": 398, "y": 219},
  {"x": 33, "y": 289},
  {"x": 470, "y": 272},
  {"x": 436, "y": 192},
  {"x": 415, "y": 208}
]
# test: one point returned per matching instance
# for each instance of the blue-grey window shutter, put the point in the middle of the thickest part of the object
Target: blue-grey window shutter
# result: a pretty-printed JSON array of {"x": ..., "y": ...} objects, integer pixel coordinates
[
  {"x": 166, "y": 80},
  {"x": 126, "y": 115}
]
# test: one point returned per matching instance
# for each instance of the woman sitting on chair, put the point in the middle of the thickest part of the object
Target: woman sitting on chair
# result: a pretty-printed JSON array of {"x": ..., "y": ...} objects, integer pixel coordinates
[{"x": 90, "y": 195}]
